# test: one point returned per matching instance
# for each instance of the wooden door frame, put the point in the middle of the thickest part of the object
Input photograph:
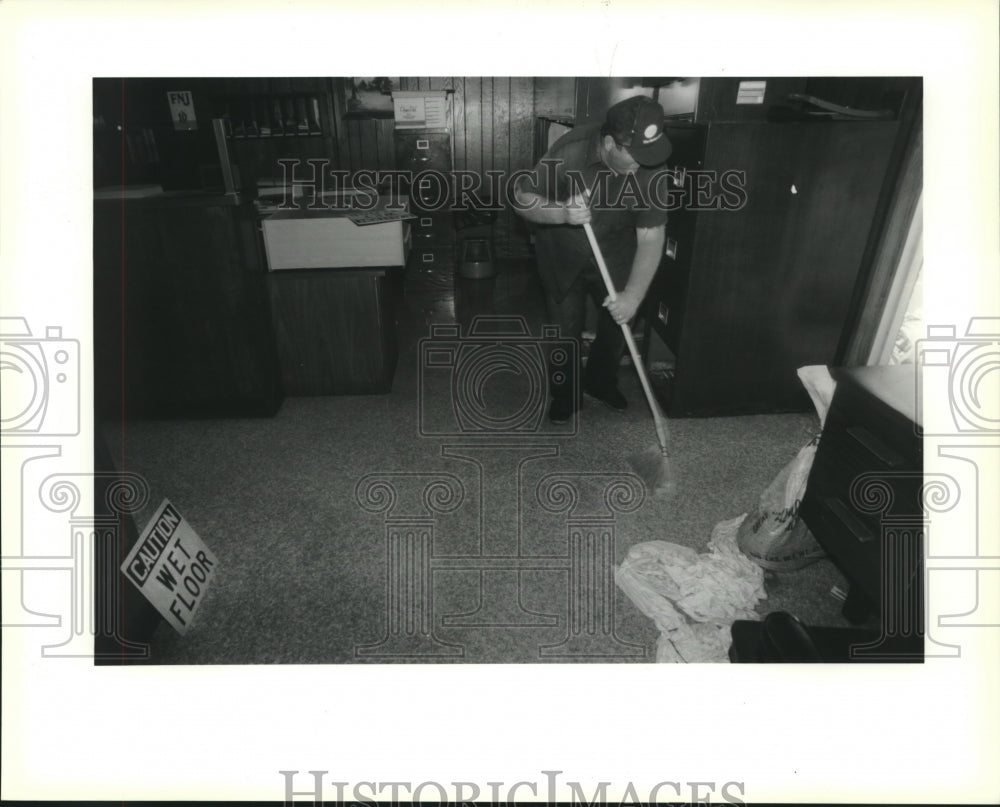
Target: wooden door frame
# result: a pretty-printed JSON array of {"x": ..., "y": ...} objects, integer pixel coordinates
[{"x": 885, "y": 255}]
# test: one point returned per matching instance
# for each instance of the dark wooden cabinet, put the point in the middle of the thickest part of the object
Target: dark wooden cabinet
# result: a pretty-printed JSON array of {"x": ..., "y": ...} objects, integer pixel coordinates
[
  {"x": 863, "y": 500},
  {"x": 181, "y": 319},
  {"x": 336, "y": 329},
  {"x": 763, "y": 260},
  {"x": 864, "y": 504},
  {"x": 334, "y": 294}
]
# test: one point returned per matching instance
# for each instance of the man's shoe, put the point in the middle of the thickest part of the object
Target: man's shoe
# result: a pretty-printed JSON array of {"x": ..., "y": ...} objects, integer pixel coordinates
[
  {"x": 561, "y": 410},
  {"x": 611, "y": 398}
]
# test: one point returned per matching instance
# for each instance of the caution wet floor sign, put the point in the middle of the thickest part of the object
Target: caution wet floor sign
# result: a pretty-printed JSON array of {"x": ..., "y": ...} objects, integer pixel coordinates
[{"x": 171, "y": 566}]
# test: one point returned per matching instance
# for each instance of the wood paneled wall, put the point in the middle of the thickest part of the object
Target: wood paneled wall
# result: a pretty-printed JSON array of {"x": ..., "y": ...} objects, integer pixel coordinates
[
  {"x": 492, "y": 130},
  {"x": 367, "y": 144}
]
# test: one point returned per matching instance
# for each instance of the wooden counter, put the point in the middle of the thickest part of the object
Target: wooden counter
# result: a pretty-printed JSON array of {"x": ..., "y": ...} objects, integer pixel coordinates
[
  {"x": 335, "y": 290},
  {"x": 182, "y": 324},
  {"x": 323, "y": 237},
  {"x": 336, "y": 329}
]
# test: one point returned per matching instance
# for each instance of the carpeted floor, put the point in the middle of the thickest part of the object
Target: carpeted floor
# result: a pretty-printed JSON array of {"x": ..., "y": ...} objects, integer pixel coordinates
[{"x": 354, "y": 529}]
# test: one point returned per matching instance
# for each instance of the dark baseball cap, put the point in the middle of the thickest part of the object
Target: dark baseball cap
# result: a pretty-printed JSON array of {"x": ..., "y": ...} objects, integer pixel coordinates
[{"x": 637, "y": 124}]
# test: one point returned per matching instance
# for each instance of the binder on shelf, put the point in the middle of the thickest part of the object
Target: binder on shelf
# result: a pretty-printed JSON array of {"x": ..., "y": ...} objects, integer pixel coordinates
[{"x": 274, "y": 116}]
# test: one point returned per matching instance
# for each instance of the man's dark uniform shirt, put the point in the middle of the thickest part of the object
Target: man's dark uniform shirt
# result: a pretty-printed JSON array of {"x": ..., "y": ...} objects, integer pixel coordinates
[{"x": 619, "y": 205}]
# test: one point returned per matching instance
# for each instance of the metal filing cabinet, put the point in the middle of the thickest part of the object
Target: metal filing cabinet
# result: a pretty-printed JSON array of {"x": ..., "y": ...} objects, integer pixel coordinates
[
  {"x": 665, "y": 302},
  {"x": 428, "y": 152}
]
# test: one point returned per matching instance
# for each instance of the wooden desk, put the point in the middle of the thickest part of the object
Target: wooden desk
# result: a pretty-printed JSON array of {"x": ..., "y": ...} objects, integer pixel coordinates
[
  {"x": 335, "y": 290},
  {"x": 336, "y": 329},
  {"x": 863, "y": 501}
]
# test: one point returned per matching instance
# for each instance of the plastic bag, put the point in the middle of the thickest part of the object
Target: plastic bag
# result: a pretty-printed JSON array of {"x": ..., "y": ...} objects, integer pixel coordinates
[{"x": 775, "y": 536}]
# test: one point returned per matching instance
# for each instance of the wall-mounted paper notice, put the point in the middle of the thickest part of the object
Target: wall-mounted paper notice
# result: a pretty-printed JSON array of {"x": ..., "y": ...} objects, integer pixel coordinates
[
  {"x": 422, "y": 109},
  {"x": 751, "y": 92}
]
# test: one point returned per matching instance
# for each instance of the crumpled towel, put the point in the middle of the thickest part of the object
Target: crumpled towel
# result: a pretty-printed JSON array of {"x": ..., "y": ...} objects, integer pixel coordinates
[{"x": 693, "y": 598}]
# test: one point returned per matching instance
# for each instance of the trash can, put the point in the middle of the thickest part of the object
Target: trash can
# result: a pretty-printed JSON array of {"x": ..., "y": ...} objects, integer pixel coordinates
[
  {"x": 476, "y": 259},
  {"x": 474, "y": 227}
]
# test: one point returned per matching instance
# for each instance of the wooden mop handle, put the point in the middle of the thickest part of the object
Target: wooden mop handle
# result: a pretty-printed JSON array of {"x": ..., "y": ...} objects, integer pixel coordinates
[
  {"x": 661, "y": 426},
  {"x": 599, "y": 257}
]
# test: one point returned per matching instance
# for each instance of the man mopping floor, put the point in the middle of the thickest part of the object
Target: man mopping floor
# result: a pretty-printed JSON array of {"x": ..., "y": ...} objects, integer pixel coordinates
[{"x": 599, "y": 230}]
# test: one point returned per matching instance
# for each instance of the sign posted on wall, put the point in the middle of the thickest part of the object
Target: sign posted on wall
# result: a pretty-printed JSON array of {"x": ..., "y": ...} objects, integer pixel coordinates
[
  {"x": 182, "y": 110},
  {"x": 171, "y": 566}
]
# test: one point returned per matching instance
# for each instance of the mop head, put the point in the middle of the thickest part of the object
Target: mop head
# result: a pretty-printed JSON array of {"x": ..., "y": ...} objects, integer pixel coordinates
[{"x": 653, "y": 465}]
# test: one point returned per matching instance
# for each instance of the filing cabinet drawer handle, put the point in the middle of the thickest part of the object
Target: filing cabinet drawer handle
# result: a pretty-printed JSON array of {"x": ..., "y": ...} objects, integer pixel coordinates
[
  {"x": 876, "y": 447},
  {"x": 670, "y": 250},
  {"x": 854, "y": 525}
]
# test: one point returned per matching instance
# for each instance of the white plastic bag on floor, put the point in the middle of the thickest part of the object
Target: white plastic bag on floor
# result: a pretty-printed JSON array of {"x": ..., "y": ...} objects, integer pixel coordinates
[
  {"x": 693, "y": 598},
  {"x": 775, "y": 537},
  {"x": 820, "y": 385}
]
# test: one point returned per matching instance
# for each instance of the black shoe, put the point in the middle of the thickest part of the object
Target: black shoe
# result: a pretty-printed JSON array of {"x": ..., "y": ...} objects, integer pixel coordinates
[
  {"x": 611, "y": 398},
  {"x": 561, "y": 410}
]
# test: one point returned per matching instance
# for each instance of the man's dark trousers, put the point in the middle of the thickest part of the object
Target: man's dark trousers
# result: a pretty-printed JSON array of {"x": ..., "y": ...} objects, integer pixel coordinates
[{"x": 604, "y": 357}]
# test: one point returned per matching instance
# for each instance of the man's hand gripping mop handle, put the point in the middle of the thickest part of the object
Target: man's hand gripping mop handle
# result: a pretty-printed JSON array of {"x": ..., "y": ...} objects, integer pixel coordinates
[{"x": 658, "y": 419}]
